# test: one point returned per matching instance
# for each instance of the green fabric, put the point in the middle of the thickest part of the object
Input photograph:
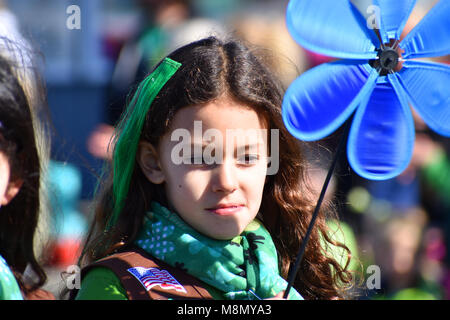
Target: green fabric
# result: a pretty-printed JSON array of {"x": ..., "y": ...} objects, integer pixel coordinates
[
  {"x": 130, "y": 128},
  {"x": 413, "y": 294},
  {"x": 101, "y": 284},
  {"x": 9, "y": 288},
  {"x": 245, "y": 267},
  {"x": 153, "y": 45},
  {"x": 437, "y": 174}
]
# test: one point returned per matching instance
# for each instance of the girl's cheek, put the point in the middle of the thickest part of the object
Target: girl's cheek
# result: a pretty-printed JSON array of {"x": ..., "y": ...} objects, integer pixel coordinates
[
  {"x": 187, "y": 183},
  {"x": 255, "y": 175},
  {"x": 3, "y": 184},
  {"x": 196, "y": 182},
  {"x": 4, "y": 176}
]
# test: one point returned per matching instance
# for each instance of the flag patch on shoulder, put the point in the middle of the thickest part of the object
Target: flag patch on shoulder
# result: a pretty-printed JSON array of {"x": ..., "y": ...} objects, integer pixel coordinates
[{"x": 150, "y": 277}]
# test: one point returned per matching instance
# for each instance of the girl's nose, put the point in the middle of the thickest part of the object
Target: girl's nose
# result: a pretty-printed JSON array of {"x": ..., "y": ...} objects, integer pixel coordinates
[{"x": 225, "y": 179}]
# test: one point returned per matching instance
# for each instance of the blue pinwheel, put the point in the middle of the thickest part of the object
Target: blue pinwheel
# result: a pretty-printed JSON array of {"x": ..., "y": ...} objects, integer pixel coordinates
[{"x": 376, "y": 81}]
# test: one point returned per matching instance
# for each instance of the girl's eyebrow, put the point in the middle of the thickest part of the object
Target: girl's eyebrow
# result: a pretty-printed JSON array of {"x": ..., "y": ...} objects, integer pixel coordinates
[{"x": 246, "y": 147}]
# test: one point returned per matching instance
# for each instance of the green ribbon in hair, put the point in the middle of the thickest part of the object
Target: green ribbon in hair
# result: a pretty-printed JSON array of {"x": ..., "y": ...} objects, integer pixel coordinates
[{"x": 130, "y": 128}]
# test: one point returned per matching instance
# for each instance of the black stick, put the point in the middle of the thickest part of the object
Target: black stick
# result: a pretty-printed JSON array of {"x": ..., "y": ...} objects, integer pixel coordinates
[{"x": 294, "y": 269}]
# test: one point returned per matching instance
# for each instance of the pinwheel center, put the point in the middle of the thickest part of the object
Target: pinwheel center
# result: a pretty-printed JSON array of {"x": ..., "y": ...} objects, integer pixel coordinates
[
  {"x": 387, "y": 62},
  {"x": 388, "y": 59}
]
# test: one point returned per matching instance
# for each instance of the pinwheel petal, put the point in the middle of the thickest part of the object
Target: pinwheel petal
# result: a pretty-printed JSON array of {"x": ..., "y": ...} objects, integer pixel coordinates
[
  {"x": 431, "y": 37},
  {"x": 321, "y": 99},
  {"x": 393, "y": 17},
  {"x": 381, "y": 138},
  {"x": 428, "y": 86},
  {"x": 331, "y": 27}
]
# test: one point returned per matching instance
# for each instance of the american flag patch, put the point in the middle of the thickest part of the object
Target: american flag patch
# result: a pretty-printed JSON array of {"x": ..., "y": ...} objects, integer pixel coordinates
[{"x": 150, "y": 277}]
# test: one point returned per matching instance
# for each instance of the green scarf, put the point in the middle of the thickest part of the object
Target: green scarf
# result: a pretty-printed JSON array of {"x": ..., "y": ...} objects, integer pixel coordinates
[
  {"x": 9, "y": 288},
  {"x": 245, "y": 267}
]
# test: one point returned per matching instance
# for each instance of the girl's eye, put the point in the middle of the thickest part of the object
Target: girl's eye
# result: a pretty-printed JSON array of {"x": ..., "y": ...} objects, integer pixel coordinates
[{"x": 248, "y": 159}]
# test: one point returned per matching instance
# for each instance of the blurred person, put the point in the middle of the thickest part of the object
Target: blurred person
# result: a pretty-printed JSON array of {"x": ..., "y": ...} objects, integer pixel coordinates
[
  {"x": 22, "y": 167},
  {"x": 165, "y": 25},
  {"x": 398, "y": 257},
  {"x": 54, "y": 243},
  {"x": 9, "y": 29},
  {"x": 410, "y": 254},
  {"x": 68, "y": 223},
  {"x": 270, "y": 38},
  {"x": 431, "y": 161}
]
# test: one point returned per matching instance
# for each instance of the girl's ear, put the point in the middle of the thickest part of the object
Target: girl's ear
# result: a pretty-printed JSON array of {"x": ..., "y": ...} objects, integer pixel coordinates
[
  {"x": 148, "y": 160},
  {"x": 11, "y": 191}
]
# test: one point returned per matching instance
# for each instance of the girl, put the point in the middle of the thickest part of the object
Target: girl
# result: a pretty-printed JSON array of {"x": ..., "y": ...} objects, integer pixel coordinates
[
  {"x": 208, "y": 217},
  {"x": 20, "y": 172}
]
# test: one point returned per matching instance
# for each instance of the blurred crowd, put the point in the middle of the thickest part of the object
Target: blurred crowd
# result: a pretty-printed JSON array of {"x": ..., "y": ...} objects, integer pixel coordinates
[{"x": 401, "y": 225}]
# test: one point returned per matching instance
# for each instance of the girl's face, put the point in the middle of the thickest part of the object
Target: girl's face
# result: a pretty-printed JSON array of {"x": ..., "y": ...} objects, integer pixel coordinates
[
  {"x": 217, "y": 188},
  {"x": 8, "y": 189},
  {"x": 4, "y": 176}
]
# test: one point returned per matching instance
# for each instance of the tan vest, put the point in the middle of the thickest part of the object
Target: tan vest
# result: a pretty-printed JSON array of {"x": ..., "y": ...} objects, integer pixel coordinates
[{"x": 146, "y": 278}]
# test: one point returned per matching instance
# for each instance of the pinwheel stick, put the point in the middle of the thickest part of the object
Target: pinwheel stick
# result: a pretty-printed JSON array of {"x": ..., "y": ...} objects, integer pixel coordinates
[{"x": 293, "y": 271}]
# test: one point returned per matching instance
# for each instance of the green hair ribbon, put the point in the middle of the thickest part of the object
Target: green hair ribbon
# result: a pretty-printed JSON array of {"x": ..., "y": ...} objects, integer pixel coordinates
[{"x": 130, "y": 127}]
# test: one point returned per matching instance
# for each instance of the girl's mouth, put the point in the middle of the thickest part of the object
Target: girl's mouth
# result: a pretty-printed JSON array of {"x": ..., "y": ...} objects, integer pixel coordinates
[{"x": 226, "y": 210}]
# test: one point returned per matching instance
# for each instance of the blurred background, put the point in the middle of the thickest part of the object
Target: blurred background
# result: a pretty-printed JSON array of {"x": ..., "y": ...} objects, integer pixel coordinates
[{"x": 95, "y": 52}]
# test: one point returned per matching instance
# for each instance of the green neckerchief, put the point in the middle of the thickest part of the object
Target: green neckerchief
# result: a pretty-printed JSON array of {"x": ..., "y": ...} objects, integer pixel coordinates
[
  {"x": 9, "y": 289},
  {"x": 245, "y": 267}
]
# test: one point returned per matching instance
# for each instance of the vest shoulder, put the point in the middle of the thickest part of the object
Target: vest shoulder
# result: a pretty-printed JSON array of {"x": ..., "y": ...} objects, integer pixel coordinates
[{"x": 144, "y": 277}]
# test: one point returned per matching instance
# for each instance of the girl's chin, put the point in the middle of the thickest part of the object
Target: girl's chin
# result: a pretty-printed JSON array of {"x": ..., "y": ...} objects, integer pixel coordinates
[{"x": 223, "y": 234}]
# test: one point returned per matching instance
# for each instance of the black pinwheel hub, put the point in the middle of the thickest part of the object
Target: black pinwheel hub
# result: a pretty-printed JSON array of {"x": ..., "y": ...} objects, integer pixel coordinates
[{"x": 387, "y": 61}]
